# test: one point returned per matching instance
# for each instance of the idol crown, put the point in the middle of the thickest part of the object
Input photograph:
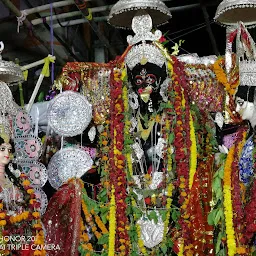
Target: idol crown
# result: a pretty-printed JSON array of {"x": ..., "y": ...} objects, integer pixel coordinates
[
  {"x": 143, "y": 52},
  {"x": 247, "y": 72}
]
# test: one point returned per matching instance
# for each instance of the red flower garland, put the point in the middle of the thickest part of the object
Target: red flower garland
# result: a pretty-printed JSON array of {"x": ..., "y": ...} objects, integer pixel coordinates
[
  {"x": 182, "y": 144},
  {"x": 117, "y": 162},
  {"x": 237, "y": 193}
]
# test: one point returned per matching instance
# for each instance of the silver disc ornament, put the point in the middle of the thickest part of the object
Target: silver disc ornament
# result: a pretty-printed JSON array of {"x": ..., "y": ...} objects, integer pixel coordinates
[
  {"x": 69, "y": 114},
  {"x": 68, "y": 163}
]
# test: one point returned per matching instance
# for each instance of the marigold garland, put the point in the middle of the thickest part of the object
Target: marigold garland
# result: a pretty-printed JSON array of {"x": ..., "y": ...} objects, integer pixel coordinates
[
  {"x": 228, "y": 210},
  {"x": 89, "y": 220},
  {"x": 222, "y": 77},
  {"x": 140, "y": 241}
]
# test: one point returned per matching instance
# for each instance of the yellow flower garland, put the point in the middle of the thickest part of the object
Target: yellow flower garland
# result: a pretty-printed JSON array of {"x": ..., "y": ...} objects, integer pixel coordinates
[
  {"x": 112, "y": 223},
  {"x": 193, "y": 154},
  {"x": 140, "y": 241},
  {"x": 181, "y": 249},
  {"x": 228, "y": 209},
  {"x": 168, "y": 207}
]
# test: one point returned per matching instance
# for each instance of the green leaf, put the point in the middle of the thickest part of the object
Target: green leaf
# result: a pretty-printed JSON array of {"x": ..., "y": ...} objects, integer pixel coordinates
[
  {"x": 169, "y": 243},
  {"x": 103, "y": 239},
  {"x": 163, "y": 215},
  {"x": 221, "y": 172},
  {"x": 104, "y": 217},
  {"x": 211, "y": 217},
  {"x": 164, "y": 248},
  {"x": 102, "y": 195},
  {"x": 216, "y": 184},
  {"x": 218, "y": 217},
  {"x": 153, "y": 216},
  {"x": 218, "y": 242},
  {"x": 171, "y": 137},
  {"x": 175, "y": 215}
]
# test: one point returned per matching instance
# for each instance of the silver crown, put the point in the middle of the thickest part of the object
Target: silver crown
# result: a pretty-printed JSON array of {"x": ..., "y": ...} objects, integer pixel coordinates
[
  {"x": 247, "y": 72},
  {"x": 142, "y": 27},
  {"x": 143, "y": 53},
  {"x": 229, "y": 12}
]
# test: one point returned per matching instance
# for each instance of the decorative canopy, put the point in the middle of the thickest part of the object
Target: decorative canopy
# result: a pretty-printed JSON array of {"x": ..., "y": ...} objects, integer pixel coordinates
[
  {"x": 123, "y": 11},
  {"x": 229, "y": 12},
  {"x": 9, "y": 71}
]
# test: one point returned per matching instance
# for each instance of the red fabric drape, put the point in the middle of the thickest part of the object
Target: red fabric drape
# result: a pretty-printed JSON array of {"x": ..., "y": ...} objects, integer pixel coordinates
[{"x": 62, "y": 220}]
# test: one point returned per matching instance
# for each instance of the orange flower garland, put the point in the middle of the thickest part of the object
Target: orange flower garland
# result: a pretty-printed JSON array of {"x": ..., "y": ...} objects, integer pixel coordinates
[{"x": 221, "y": 76}]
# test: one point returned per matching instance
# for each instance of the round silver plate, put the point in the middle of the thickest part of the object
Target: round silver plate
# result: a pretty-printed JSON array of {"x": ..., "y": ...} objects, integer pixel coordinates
[
  {"x": 69, "y": 114},
  {"x": 68, "y": 163}
]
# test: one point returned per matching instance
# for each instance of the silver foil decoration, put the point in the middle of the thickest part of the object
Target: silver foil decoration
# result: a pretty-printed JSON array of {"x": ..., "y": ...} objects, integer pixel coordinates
[
  {"x": 9, "y": 71},
  {"x": 229, "y": 12},
  {"x": 159, "y": 149},
  {"x": 163, "y": 89},
  {"x": 247, "y": 73},
  {"x": 123, "y": 11},
  {"x": 136, "y": 179},
  {"x": 157, "y": 178},
  {"x": 92, "y": 134},
  {"x": 219, "y": 119},
  {"x": 35, "y": 171},
  {"x": 42, "y": 198},
  {"x": 139, "y": 152},
  {"x": 134, "y": 124},
  {"x": 151, "y": 233},
  {"x": 69, "y": 114},
  {"x": 193, "y": 58},
  {"x": 142, "y": 27},
  {"x": 68, "y": 163},
  {"x": 133, "y": 100},
  {"x": 27, "y": 147},
  {"x": 144, "y": 53}
]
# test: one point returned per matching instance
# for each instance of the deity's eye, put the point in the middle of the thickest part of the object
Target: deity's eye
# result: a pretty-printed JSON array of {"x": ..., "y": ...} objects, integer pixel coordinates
[
  {"x": 138, "y": 80},
  {"x": 150, "y": 79},
  {"x": 4, "y": 148},
  {"x": 240, "y": 102}
]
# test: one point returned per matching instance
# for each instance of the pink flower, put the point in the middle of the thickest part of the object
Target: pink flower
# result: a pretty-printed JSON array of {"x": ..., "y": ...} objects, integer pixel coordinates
[
  {"x": 140, "y": 91},
  {"x": 162, "y": 39},
  {"x": 32, "y": 148},
  {"x": 23, "y": 121}
]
